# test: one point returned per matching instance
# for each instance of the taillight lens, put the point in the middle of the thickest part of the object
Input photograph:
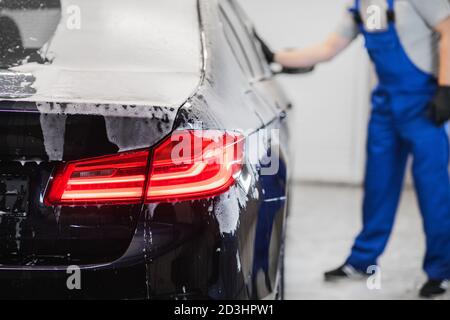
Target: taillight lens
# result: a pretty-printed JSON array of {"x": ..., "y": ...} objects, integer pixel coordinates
[
  {"x": 186, "y": 166},
  {"x": 112, "y": 179},
  {"x": 194, "y": 164}
]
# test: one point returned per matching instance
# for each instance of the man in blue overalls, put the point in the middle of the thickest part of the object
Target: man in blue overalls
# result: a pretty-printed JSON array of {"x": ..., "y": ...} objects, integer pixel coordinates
[{"x": 409, "y": 45}]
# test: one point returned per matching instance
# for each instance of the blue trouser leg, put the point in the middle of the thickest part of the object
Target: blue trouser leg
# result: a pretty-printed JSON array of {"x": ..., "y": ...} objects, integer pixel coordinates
[
  {"x": 429, "y": 146},
  {"x": 386, "y": 162}
]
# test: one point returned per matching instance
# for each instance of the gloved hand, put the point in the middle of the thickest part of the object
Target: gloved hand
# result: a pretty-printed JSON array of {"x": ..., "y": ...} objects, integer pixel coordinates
[
  {"x": 439, "y": 108},
  {"x": 268, "y": 54},
  {"x": 270, "y": 57}
]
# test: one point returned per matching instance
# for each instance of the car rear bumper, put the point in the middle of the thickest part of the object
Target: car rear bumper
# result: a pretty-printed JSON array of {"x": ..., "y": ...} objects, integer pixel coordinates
[{"x": 177, "y": 252}]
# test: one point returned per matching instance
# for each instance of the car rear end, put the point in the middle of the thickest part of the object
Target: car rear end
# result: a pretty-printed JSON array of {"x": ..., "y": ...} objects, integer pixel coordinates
[
  {"x": 39, "y": 238},
  {"x": 92, "y": 202}
]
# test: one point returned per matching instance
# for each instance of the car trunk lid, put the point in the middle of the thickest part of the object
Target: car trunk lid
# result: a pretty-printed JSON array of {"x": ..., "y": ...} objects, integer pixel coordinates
[{"x": 32, "y": 144}]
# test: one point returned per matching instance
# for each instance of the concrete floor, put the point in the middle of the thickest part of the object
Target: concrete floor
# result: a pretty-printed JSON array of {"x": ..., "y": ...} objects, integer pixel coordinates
[{"x": 321, "y": 228}]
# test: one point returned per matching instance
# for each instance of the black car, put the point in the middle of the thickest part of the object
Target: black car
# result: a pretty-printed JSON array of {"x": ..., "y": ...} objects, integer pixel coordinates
[{"x": 144, "y": 152}]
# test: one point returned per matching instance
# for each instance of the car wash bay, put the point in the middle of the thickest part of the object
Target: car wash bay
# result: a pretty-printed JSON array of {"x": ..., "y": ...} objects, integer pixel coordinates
[{"x": 330, "y": 113}]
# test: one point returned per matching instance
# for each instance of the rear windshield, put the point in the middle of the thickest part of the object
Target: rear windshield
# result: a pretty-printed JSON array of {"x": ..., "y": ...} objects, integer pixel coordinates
[
  {"x": 98, "y": 50},
  {"x": 25, "y": 26}
]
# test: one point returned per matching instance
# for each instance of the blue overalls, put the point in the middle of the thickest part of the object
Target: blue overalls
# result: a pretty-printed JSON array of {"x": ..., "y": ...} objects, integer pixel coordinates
[{"x": 399, "y": 126}]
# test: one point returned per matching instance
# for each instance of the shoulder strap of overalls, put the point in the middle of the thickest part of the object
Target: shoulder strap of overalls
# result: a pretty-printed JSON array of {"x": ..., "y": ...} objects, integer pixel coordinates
[
  {"x": 356, "y": 11},
  {"x": 391, "y": 11}
]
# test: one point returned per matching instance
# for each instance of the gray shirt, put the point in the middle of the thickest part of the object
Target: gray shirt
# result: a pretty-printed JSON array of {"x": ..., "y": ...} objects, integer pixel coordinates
[{"x": 415, "y": 22}]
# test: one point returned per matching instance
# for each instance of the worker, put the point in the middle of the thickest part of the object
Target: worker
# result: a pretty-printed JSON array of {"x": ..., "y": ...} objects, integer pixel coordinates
[{"x": 409, "y": 43}]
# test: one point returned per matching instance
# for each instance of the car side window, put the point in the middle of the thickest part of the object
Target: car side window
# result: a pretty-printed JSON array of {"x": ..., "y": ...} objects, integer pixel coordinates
[
  {"x": 236, "y": 46},
  {"x": 251, "y": 34},
  {"x": 246, "y": 45}
]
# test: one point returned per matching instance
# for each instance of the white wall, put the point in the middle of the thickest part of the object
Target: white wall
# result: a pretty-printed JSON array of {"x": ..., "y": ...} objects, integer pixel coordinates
[{"x": 331, "y": 105}]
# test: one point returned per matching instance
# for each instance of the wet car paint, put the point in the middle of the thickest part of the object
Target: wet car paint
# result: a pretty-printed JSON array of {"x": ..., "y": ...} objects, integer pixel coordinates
[{"x": 195, "y": 249}]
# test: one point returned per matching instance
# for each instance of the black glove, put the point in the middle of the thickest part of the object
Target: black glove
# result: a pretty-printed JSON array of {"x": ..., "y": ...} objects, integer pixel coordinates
[
  {"x": 439, "y": 108},
  {"x": 268, "y": 54}
]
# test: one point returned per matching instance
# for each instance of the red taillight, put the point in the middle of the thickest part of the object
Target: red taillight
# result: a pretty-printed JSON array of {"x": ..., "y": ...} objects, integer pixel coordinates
[
  {"x": 112, "y": 179},
  {"x": 194, "y": 164},
  {"x": 188, "y": 165}
]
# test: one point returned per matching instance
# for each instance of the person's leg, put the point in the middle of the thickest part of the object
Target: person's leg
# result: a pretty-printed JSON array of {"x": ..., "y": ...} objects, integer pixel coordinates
[
  {"x": 430, "y": 169},
  {"x": 385, "y": 168}
]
